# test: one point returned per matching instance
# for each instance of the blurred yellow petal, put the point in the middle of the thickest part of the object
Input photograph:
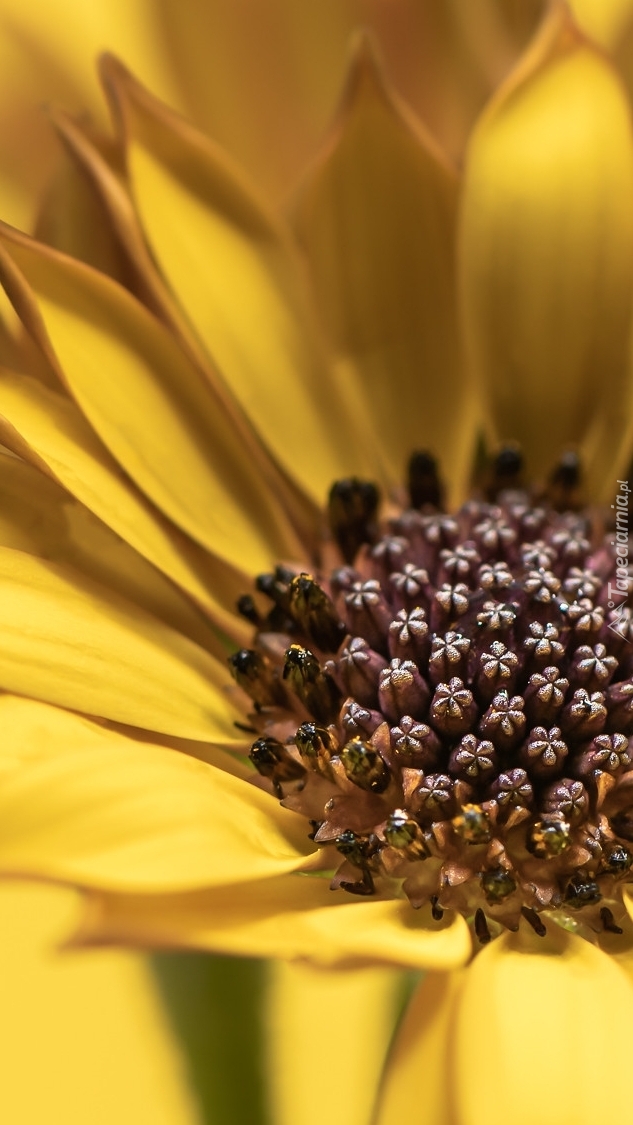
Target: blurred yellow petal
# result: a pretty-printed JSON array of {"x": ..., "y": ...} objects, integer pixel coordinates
[
  {"x": 115, "y": 814},
  {"x": 424, "y": 1046},
  {"x": 229, "y": 264},
  {"x": 194, "y": 470},
  {"x": 69, "y": 641},
  {"x": 376, "y": 216},
  {"x": 527, "y": 1006},
  {"x": 48, "y": 430},
  {"x": 47, "y": 54},
  {"x": 41, "y": 731},
  {"x": 86, "y": 1037},
  {"x": 72, "y": 218},
  {"x": 40, "y": 518},
  {"x": 306, "y": 1007},
  {"x": 586, "y": 1001},
  {"x": 547, "y": 246},
  {"x": 292, "y": 917},
  {"x": 604, "y": 20}
]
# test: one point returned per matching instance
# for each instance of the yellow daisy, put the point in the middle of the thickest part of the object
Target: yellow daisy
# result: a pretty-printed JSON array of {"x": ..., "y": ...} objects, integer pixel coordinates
[{"x": 441, "y": 703}]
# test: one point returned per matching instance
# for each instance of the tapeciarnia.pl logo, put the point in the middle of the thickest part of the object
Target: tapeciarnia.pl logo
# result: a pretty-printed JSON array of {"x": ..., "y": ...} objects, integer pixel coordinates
[{"x": 620, "y": 591}]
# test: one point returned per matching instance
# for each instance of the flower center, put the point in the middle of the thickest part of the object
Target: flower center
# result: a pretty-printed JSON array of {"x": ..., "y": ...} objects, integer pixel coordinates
[{"x": 452, "y": 707}]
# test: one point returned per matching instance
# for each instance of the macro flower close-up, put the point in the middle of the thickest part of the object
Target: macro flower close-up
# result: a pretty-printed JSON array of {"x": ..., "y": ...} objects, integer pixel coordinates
[{"x": 315, "y": 484}]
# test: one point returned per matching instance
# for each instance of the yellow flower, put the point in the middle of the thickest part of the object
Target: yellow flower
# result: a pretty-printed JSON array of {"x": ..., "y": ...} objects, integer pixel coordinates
[
  {"x": 180, "y": 425},
  {"x": 262, "y": 78}
]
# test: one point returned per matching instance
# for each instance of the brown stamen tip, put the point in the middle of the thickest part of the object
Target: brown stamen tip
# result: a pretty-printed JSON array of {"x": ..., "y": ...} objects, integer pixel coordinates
[
  {"x": 608, "y": 921},
  {"x": 472, "y": 825},
  {"x": 563, "y": 490},
  {"x": 315, "y": 613},
  {"x": 364, "y": 766},
  {"x": 317, "y": 691},
  {"x": 425, "y": 487},
  {"x": 582, "y": 890},
  {"x": 506, "y": 471},
  {"x": 352, "y": 507},
  {"x": 436, "y": 911},
  {"x": 534, "y": 921},
  {"x": 481, "y": 927},
  {"x": 273, "y": 761}
]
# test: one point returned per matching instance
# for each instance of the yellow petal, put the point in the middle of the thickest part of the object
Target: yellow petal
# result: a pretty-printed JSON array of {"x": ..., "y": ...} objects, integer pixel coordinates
[
  {"x": 292, "y": 917},
  {"x": 605, "y": 20},
  {"x": 144, "y": 280},
  {"x": 46, "y": 429},
  {"x": 147, "y": 402},
  {"x": 376, "y": 216},
  {"x": 40, "y": 518},
  {"x": 72, "y": 218},
  {"x": 69, "y": 641},
  {"x": 47, "y": 55},
  {"x": 40, "y": 731},
  {"x": 113, "y": 814},
  {"x": 423, "y": 1046},
  {"x": 85, "y": 1037},
  {"x": 549, "y": 1012},
  {"x": 233, "y": 271},
  {"x": 305, "y": 1008},
  {"x": 547, "y": 245}
]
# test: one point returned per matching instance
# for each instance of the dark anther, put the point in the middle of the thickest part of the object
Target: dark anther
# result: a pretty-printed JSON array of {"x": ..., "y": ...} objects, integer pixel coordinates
[
  {"x": 544, "y": 753},
  {"x": 317, "y": 691},
  {"x": 252, "y": 675},
  {"x": 314, "y": 744},
  {"x": 246, "y": 608},
  {"x": 434, "y": 797},
  {"x": 506, "y": 470},
  {"x": 436, "y": 911},
  {"x": 424, "y": 483},
  {"x": 472, "y": 824},
  {"x": 504, "y": 721},
  {"x": 364, "y": 766},
  {"x": 481, "y": 927},
  {"x": 352, "y": 507},
  {"x": 512, "y": 790},
  {"x": 449, "y": 657},
  {"x": 273, "y": 761},
  {"x": 549, "y": 836},
  {"x": 315, "y": 613},
  {"x": 405, "y": 835},
  {"x": 535, "y": 922},
  {"x": 276, "y": 586},
  {"x": 585, "y": 715},
  {"x": 497, "y": 884},
  {"x": 409, "y": 635},
  {"x": 358, "y": 850},
  {"x": 359, "y": 669},
  {"x": 473, "y": 759},
  {"x": 564, "y": 482},
  {"x": 581, "y": 891},
  {"x": 497, "y": 670},
  {"x": 618, "y": 860},
  {"x": 402, "y": 691},
  {"x": 453, "y": 709},
  {"x": 608, "y": 921},
  {"x": 415, "y": 744},
  {"x": 622, "y": 824},
  {"x": 542, "y": 645},
  {"x": 545, "y": 696},
  {"x": 568, "y": 797}
]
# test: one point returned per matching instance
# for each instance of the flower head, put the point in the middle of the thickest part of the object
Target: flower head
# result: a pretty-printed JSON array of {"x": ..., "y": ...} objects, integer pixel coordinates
[{"x": 440, "y": 699}]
